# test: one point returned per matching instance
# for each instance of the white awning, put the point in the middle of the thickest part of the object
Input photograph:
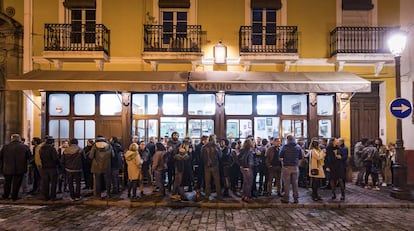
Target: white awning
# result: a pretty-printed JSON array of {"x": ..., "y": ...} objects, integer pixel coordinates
[
  {"x": 278, "y": 82},
  {"x": 168, "y": 81},
  {"x": 139, "y": 81}
]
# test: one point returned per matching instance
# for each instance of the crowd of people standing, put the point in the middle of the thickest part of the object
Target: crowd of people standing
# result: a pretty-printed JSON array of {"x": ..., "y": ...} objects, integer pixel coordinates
[{"x": 247, "y": 169}]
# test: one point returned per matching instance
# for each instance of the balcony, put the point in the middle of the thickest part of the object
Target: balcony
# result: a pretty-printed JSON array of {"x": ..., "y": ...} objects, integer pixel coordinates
[
  {"x": 172, "y": 44},
  {"x": 360, "y": 45},
  {"x": 268, "y": 44},
  {"x": 76, "y": 43}
]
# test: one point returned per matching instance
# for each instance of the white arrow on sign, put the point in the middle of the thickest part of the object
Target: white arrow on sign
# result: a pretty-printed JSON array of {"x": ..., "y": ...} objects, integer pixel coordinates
[{"x": 403, "y": 108}]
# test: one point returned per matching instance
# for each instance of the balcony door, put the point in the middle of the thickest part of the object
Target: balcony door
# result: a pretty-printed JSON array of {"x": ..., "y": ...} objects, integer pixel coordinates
[
  {"x": 82, "y": 32},
  {"x": 263, "y": 26},
  {"x": 174, "y": 28}
]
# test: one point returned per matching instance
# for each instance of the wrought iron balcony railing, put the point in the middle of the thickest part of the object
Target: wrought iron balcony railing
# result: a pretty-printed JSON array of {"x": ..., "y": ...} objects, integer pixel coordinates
[
  {"x": 268, "y": 39},
  {"x": 174, "y": 38},
  {"x": 76, "y": 37},
  {"x": 359, "y": 40}
]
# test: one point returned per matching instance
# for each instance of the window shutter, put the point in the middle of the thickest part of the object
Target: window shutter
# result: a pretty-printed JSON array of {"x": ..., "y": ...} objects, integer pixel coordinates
[
  {"x": 271, "y": 4},
  {"x": 79, "y": 4},
  {"x": 357, "y": 5},
  {"x": 174, "y": 3}
]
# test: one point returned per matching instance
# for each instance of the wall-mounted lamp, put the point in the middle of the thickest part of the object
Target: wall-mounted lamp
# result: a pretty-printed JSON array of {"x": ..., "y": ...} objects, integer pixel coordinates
[
  {"x": 220, "y": 53},
  {"x": 126, "y": 99},
  {"x": 220, "y": 98},
  {"x": 344, "y": 96}
]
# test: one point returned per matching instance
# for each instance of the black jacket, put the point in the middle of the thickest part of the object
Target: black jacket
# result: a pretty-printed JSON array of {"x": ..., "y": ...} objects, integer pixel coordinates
[
  {"x": 116, "y": 160},
  {"x": 14, "y": 158},
  {"x": 49, "y": 156}
]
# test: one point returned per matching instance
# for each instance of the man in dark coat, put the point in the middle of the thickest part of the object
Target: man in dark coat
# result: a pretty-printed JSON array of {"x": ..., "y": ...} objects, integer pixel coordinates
[
  {"x": 13, "y": 164},
  {"x": 211, "y": 154},
  {"x": 48, "y": 173},
  {"x": 72, "y": 165},
  {"x": 172, "y": 149},
  {"x": 116, "y": 162}
]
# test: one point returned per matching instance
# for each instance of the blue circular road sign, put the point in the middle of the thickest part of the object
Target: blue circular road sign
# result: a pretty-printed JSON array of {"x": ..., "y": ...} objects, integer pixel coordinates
[{"x": 401, "y": 108}]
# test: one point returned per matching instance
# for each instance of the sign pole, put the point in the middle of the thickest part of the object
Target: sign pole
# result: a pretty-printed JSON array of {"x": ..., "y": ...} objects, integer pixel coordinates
[{"x": 399, "y": 189}]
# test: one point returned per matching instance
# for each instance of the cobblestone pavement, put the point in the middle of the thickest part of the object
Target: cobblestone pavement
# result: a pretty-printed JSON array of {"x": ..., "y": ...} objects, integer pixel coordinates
[
  {"x": 356, "y": 197},
  {"x": 83, "y": 217}
]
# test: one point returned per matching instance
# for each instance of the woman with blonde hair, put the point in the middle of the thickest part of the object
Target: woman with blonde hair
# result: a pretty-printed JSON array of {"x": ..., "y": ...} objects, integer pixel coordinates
[
  {"x": 316, "y": 162},
  {"x": 134, "y": 163}
]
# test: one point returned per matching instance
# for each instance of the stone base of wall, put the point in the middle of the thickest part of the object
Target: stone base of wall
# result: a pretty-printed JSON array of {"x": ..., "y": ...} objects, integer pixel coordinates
[{"x": 410, "y": 166}]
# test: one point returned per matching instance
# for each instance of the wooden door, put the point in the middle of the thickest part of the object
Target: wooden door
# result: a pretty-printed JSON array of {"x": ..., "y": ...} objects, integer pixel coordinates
[
  {"x": 109, "y": 127},
  {"x": 365, "y": 115}
]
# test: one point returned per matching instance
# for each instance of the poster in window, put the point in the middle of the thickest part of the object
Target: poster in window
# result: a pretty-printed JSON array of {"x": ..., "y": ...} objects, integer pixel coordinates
[
  {"x": 232, "y": 129},
  {"x": 269, "y": 122},
  {"x": 260, "y": 124}
]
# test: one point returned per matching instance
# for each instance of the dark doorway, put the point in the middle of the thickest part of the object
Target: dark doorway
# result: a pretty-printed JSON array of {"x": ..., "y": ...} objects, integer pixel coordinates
[{"x": 365, "y": 115}]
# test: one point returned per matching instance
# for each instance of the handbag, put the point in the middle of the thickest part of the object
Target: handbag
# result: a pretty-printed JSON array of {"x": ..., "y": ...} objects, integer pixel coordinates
[{"x": 314, "y": 171}]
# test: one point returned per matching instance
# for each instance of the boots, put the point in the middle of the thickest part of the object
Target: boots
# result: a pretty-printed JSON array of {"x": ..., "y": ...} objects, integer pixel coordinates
[
  {"x": 333, "y": 195},
  {"x": 342, "y": 196}
]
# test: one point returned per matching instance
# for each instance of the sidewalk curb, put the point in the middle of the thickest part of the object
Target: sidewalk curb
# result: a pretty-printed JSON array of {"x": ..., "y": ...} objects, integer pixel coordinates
[{"x": 210, "y": 205}]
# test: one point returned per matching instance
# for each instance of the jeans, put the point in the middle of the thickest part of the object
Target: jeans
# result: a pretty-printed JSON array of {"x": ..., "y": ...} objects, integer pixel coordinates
[
  {"x": 74, "y": 177},
  {"x": 208, "y": 173},
  {"x": 159, "y": 179},
  {"x": 115, "y": 180},
  {"x": 247, "y": 181},
  {"x": 274, "y": 173},
  {"x": 177, "y": 184},
  {"x": 360, "y": 176},
  {"x": 290, "y": 177}
]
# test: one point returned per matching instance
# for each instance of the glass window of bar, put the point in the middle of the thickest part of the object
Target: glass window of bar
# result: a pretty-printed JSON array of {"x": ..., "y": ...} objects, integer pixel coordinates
[
  {"x": 173, "y": 104},
  {"x": 239, "y": 128},
  {"x": 59, "y": 104},
  {"x": 145, "y": 104},
  {"x": 325, "y": 128},
  {"x": 294, "y": 105},
  {"x": 168, "y": 125},
  {"x": 201, "y": 104},
  {"x": 265, "y": 127},
  {"x": 266, "y": 104},
  {"x": 297, "y": 128},
  {"x": 84, "y": 104},
  {"x": 325, "y": 106},
  {"x": 238, "y": 104},
  {"x": 144, "y": 129},
  {"x": 59, "y": 130},
  {"x": 110, "y": 104},
  {"x": 84, "y": 130},
  {"x": 198, "y": 128}
]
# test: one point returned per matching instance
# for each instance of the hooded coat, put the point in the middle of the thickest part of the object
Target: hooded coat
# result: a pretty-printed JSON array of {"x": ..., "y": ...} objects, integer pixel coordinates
[
  {"x": 72, "y": 158},
  {"x": 134, "y": 163},
  {"x": 100, "y": 155}
]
